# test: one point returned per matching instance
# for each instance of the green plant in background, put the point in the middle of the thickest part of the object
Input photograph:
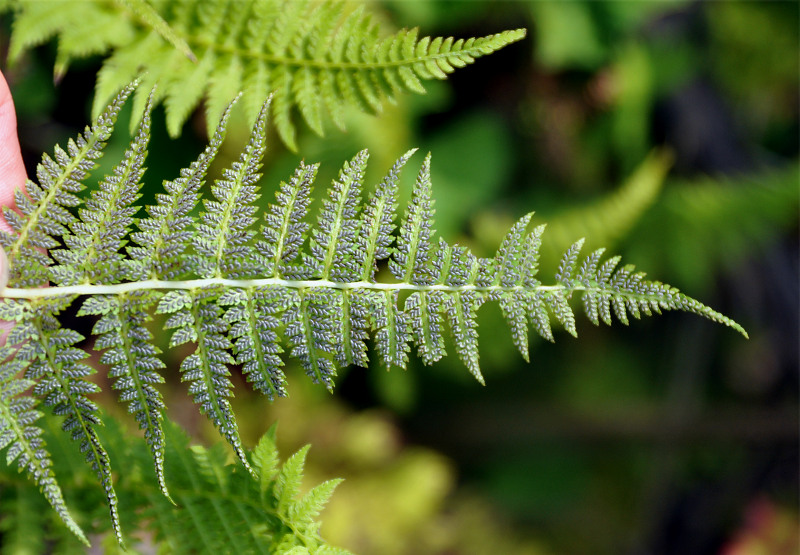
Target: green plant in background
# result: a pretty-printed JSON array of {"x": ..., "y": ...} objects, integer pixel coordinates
[
  {"x": 318, "y": 58},
  {"x": 258, "y": 512}
]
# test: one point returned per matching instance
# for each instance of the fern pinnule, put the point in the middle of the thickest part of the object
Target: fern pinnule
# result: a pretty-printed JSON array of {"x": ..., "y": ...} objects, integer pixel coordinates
[
  {"x": 392, "y": 329},
  {"x": 134, "y": 363},
  {"x": 335, "y": 237},
  {"x": 414, "y": 249},
  {"x": 313, "y": 330},
  {"x": 197, "y": 318},
  {"x": 375, "y": 239},
  {"x": 285, "y": 229},
  {"x": 95, "y": 239},
  {"x": 60, "y": 378},
  {"x": 222, "y": 243},
  {"x": 427, "y": 323},
  {"x": 254, "y": 317}
]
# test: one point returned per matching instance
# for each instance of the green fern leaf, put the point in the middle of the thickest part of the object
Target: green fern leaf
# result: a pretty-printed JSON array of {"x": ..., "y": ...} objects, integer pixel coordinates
[
  {"x": 392, "y": 327},
  {"x": 461, "y": 312},
  {"x": 410, "y": 263},
  {"x": 265, "y": 458},
  {"x": 307, "y": 508},
  {"x": 334, "y": 239},
  {"x": 285, "y": 231},
  {"x": 425, "y": 312},
  {"x": 611, "y": 217},
  {"x": 253, "y": 317},
  {"x": 164, "y": 236},
  {"x": 312, "y": 331},
  {"x": 318, "y": 58},
  {"x": 264, "y": 514},
  {"x": 24, "y": 520},
  {"x": 375, "y": 237},
  {"x": 287, "y": 485},
  {"x": 239, "y": 296},
  {"x": 93, "y": 246},
  {"x": 134, "y": 362}
]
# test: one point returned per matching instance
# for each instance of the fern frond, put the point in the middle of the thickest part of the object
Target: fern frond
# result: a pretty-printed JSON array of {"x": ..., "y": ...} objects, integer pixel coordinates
[
  {"x": 612, "y": 216},
  {"x": 261, "y": 514},
  {"x": 716, "y": 222},
  {"x": 150, "y": 17},
  {"x": 317, "y": 58},
  {"x": 25, "y": 516},
  {"x": 220, "y": 508},
  {"x": 238, "y": 296}
]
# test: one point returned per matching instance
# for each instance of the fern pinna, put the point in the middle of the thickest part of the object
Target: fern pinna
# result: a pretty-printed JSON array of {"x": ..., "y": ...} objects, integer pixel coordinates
[
  {"x": 241, "y": 287},
  {"x": 315, "y": 57}
]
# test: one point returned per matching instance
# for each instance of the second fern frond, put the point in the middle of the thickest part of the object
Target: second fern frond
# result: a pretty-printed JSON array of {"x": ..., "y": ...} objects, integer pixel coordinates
[{"x": 318, "y": 58}]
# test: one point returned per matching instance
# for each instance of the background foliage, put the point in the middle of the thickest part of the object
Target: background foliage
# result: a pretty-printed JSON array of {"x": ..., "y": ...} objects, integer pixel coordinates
[{"x": 673, "y": 436}]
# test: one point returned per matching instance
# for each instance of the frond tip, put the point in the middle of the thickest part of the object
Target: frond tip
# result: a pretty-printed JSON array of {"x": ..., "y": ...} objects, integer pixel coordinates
[{"x": 242, "y": 288}]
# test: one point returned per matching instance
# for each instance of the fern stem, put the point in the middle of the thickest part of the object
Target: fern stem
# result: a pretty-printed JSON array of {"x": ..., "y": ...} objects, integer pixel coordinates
[{"x": 119, "y": 288}]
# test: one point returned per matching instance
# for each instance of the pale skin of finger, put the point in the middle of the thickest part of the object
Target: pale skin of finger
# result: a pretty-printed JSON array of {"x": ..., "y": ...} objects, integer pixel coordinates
[
  {"x": 12, "y": 169},
  {"x": 12, "y": 174}
]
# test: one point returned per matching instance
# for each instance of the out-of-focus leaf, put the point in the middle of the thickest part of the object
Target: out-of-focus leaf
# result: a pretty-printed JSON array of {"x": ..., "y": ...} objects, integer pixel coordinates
[
  {"x": 610, "y": 218},
  {"x": 702, "y": 225},
  {"x": 473, "y": 160},
  {"x": 566, "y": 35}
]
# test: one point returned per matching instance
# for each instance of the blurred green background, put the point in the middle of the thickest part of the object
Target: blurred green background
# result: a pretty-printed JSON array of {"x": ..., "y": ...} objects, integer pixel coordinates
[{"x": 666, "y": 131}]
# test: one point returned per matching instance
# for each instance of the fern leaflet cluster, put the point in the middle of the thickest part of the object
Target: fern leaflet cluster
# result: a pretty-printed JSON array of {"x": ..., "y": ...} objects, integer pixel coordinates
[
  {"x": 239, "y": 286},
  {"x": 317, "y": 58}
]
